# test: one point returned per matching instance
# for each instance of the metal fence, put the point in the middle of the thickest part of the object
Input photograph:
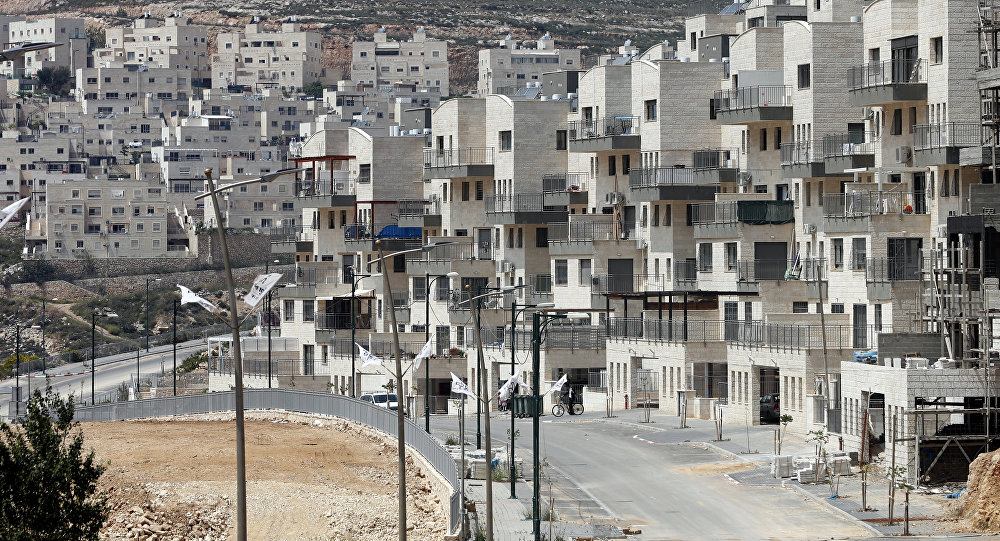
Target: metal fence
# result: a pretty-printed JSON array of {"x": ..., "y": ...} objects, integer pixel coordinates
[
  {"x": 716, "y": 158},
  {"x": 452, "y": 157},
  {"x": 585, "y": 231},
  {"x": 848, "y": 144},
  {"x": 331, "y": 405},
  {"x": 859, "y": 204},
  {"x": 797, "y": 153},
  {"x": 603, "y": 127},
  {"x": 750, "y": 97},
  {"x": 561, "y": 182},
  {"x": 887, "y": 72},
  {"x": 754, "y": 270},
  {"x": 948, "y": 134},
  {"x": 524, "y": 202},
  {"x": 642, "y": 177}
]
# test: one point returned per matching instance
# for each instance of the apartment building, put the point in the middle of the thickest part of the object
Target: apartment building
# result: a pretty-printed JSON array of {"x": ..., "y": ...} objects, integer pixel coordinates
[
  {"x": 256, "y": 58},
  {"x": 510, "y": 66},
  {"x": 418, "y": 61},
  {"x": 70, "y": 32},
  {"x": 364, "y": 106},
  {"x": 168, "y": 43}
]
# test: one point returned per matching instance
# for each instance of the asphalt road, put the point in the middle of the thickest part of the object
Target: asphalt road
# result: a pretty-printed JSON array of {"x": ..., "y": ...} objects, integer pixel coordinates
[
  {"x": 110, "y": 372},
  {"x": 671, "y": 489}
]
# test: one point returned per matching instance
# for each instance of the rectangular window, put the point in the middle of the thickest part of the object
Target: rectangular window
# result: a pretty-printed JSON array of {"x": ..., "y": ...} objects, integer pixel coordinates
[
  {"x": 612, "y": 169},
  {"x": 562, "y": 273},
  {"x": 308, "y": 310},
  {"x": 560, "y": 139},
  {"x": 705, "y": 256},
  {"x": 626, "y": 164},
  {"x": 897, "y": 122},
  {"x": 656, "y": 215},
  {"x": 666, "y": 215},
  {"x": 505, "y": 141},
  {"x": 465, "y": 191},
  {"x": 800, "y": 307},
  {"x": 878, "y": 318},
  {"x": 937, "y": 50},
  {"x": 289, "y": 310},
  {"x": 859, "y": 253},
  {"x": 805, "y": 76},
  {"x": 585, "y": 272},
  {"x": 838, "y": 253},
  {"x": 399, "y": 263},
  {"x": 763, "y": 138},
  {"x": 730, "y": 256},
  {"x": 837, "y": 308},
  {"x": 479, "y": 190},
  {"x": 419, "y": 288},
  {"x": 542, "y": 237},
  {"x": 650, "y": 109}
]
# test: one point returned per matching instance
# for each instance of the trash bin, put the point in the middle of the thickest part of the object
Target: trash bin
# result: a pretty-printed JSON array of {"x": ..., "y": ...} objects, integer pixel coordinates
[{"x": 524, "y": 405}]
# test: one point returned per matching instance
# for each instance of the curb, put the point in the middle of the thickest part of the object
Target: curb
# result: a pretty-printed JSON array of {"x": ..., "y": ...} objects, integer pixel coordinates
[{"x": 836, "y": 510}]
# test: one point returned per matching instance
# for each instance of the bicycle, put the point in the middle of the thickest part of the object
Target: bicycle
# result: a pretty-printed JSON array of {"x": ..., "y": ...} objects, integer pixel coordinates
[{"x": 558, "y": 410}]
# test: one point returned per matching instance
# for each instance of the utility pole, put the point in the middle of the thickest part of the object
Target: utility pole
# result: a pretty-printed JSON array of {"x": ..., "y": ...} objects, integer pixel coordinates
[
  {"x": 822, "y": 331},
  {"x": 93, "y": 355},
  {"x": 427, "y": 364},
  {"x": 485, "y": 400},
  {"x": 175, "y": 347},
  {"x": 17, "y": 369}
]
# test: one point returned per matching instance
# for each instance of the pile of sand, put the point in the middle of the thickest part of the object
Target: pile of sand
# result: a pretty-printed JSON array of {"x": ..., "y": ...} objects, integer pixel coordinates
[{"x": 979, "y": 507}]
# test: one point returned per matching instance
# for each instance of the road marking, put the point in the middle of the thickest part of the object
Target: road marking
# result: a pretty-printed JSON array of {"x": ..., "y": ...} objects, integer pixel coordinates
[
  {"x": 644, "y": 440},
  {"x": 731, "y": 480}
]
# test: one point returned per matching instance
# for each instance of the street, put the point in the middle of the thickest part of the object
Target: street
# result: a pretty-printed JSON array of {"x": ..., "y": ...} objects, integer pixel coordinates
[
  {"x": 657, "y": 478},
  {"x": 110, "y": 373}
]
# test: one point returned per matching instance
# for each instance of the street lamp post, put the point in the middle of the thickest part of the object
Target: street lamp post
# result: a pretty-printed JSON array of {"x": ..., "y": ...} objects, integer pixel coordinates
[
  {"x": 175, "y": 347},
  {"x": 234, "y": 324},
  {"x": 427, "y": 337},
  {"x": 17, "y": 369},
  {"x": 93, "y": 355},
  {"x": 148, "y": 280},
  {"x": 266, "y": 271},
  {"x": 355, "y": 277}
]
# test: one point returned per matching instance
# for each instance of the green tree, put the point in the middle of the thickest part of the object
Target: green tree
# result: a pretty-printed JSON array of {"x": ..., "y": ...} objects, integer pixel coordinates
[
  {"x": 48, "y": 484},
  {"x": 314, "y": 88},
  {"x": 55, "y": 80}
]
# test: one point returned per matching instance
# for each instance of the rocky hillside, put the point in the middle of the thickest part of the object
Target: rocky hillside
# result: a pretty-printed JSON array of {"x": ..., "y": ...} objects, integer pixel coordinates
[{"x": 597, "y": 27}]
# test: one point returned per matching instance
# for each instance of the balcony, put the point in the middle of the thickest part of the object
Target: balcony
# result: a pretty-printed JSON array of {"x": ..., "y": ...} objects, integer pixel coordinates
[
  {"x": 864, "y": 204},
  {"x": 795, "y": 337},
  {"x": 362, "y": 236},
  {"x": 751, "y": 212},
  {"x": 749, "y": 104},
  {"x": 893, "y": 269},
  {"x": 458, "y": 162},
  {"x": 686, "y": 275},
  {"x": 578, "y": 236},
  {"x": 603, "y": 284},
  {"x": 419, "y": 212},
  {"x": 341, "y": 192},
  {"x": 780, "y": 270},
  {"x": 441, "y": 260},
  {"x": 603, "y": 134},
  {"x": 333, "y": 321},
  {"x": 940, "y": 144},
  {"x": 799, "y": 160},
  {"x": 522, "y": 209},
  {"x": 665, "y": 330},
  {"x": 563, "y": 189},
  {"x": 888, "y": 81},
  {"x": 667, "y": 184},
  {"x": 713, "y": 166},
  {"x": 843, "y": 151}
]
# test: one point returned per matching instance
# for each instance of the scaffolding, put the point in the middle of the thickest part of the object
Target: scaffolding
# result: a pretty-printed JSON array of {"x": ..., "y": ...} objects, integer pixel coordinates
[{"x": 989, "y": 83}]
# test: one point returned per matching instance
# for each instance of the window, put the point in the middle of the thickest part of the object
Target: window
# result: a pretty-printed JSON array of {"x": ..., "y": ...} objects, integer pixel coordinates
[
  {"x": 258, "y": 206},
  {"x": 937, "y": 49},
  {"x": 585, "y": 272},
  {"x": 626, "y": 164},
  {"x": 897, "y": 122},
  {"x": 859, "y": 253},
  {"x": 777, "y": 137},
  {"x": 505, "y": 141},
  {"x": 479, "y": 190},
  {"x": 838, "y": 253},
  {"x": 542, "y": 237},
  {"x": 763, "y": 138},
  {"x": 289, "y": 310},
  {"x": 705, "y": 256},
  {"x": 837, "y": 308},
  {"x": 520, "y": 237},
  {"x": 946, "y": 184},
  {"x": 308, "y": 310},
  {"x": 288, "y": 207},
  {"x": 656, "y": 215},
  {"x": 562, "y": 274},
  {"x": 612, "y": 169},
  {"x": 560, "y": 139},
  {"x": 805, "y": 75},
  {"x": 650, "y": 109},
  {"x": 730, "y": 256},
  {"x": 878, "y": 318},
  {"x": 800, "y": 307},
  {"x": 913, "y": 119},
  {"x": 666, "y": 215},
  {"x": 465, "y": 191}
]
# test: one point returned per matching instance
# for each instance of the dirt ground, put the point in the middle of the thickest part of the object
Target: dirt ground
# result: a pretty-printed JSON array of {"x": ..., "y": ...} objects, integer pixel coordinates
[{"x": 318, "y": 479}]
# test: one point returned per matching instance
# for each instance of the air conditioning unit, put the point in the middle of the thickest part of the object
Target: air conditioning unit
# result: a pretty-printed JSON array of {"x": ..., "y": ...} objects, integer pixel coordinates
[
  {"x": 641, "y": 244},
  {"x": 809, "y": 229},
  {"x": 614, "y": 198},
  {"x": 904, "y": 154},
  {"x": 745, "y": 178}
]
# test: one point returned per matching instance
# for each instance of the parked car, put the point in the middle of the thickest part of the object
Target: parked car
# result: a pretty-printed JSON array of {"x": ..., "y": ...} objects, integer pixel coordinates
[
  {"x": 382, "y": 399},
  {"x": 769, "y": 410}
]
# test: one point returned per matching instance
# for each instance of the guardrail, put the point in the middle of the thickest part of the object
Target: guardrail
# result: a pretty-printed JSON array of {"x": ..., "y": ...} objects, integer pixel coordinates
[
  {"x": 585, "y": 231},
  {"x": 418, "y": 207},
  {"x": 755, "y": 334},
  {"x": 887, "y": 72},
  {"x": 716, "y": 158},
  {"x": 330, "y": 405},
  {"x": 525, "y": 202},
  {"x": 750, "y": 97},
  {"x": 368, "y": 231},
  {"x": 858, "y": 204},
  {"x": 949, "y": 134},
  {"x": 752, "y": 211},
  {"x": 644, "y": 177},
  {"x": 893, "y": 269},
  {"x": 562, "y": 182},
  {"x": 754, "y": 270},
  {"x": 454, "y": 157},
  {"x": 603, "y": 127},
  {"x": 797, "y": 153},
  {"x": 629, "y": 283},
  {"x": 848, "y": 144}
]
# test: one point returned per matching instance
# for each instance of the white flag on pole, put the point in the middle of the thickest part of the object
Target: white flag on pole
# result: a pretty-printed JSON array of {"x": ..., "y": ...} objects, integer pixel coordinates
[
  {"x": 425, "y": 353},
  {"x": 557, "y": 386},
  {"x": 459, "y": 386},
  {"x": 7, "y": 213},
  {"x": 367, "y": 358},
  {"x": 188, "y": 296},
  {"x": 509, "y": 387},
  {"x": 261, "y": 285}
]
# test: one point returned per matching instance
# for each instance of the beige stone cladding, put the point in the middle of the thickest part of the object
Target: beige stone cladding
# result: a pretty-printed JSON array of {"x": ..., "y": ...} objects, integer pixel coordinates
[
  {"x": 419, "y": 61},
  {"x": 510, "y": 66},
  {"x": 256, "y": 58},
  {"x": 167, "y": 43},
  {"x": 68, "y": 31}
]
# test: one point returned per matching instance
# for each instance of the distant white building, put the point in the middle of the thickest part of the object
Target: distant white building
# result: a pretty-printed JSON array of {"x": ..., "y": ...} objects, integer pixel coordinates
[
  {"x": 420, "y": 61},
  {"x": 506, "y": 68}
]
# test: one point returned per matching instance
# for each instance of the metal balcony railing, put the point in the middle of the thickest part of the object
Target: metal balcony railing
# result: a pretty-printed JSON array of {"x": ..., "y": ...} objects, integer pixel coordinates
[
  {"x": 640, "y": 177},
  {"x": 784, "y": 336},
  {"x": 603, "y": 127},
  {"x": 686, "y": 272},
  {"x": 718, "y": 158},
  {"x": 562, "y": 182},
  {"x": 848, "y": 144},
  {"x": 755, "y": 270},
  {"x": 859, "y": 204},
  {"x": 628, "y": 283},
  {"x": 949, "y": 134},
  {"x": 454, "y": 157},
  {"x": 320, "y": 187},
  {"x": 326, "y": 272},
  {"x": 329, "y": 322},
  {"x": 525, "y": 202},
  {"x": 797, "y": 153},
  {"x": 750, "y": 97},
  {"x": 446, "y": 253},
  {"x": 584, "y": 231},
  {"x": 418, "y": 207},
  {"x": 893, "y": 269},
  {"x": 887, "y": 72},
  {"x": 678, "y": 330},
  {"x": 754, "y": 212}
]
